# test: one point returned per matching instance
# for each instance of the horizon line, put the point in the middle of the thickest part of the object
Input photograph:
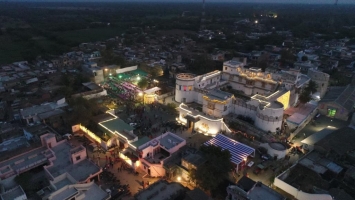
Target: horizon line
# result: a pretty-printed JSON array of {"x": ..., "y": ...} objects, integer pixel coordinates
[{"x": 172, "y": 1}]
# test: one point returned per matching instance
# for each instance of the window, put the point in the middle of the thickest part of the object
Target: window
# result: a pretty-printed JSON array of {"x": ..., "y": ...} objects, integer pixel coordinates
[
  {"x": 77, "y": 158},
  {"x": 225, "y": 108},
  {"x": 225, "y": 68},
  {"x": 179, "y": 87},
  {"x": 95, "y": 74},
  {"x": 190, "y": 88},
  {"x": 331, "y": 112},
  {"x": 210, "y": 105},
  {"x": 185, "y": 87}
]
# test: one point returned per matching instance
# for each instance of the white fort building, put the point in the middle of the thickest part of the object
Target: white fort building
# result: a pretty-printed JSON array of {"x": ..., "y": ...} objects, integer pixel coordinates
[{"x": 263, "y": 96}]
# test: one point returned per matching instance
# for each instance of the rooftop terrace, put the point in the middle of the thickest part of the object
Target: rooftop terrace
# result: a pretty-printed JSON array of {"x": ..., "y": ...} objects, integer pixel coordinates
[
  {"x": 62, "y": 164},
  {"x": 219, "y": 95},
  {"x": 25, "y": 161},
  {"x": 160, "y": 190},
  {"x": 12, "y": 194},
  {"x": 169, "y": 141}
]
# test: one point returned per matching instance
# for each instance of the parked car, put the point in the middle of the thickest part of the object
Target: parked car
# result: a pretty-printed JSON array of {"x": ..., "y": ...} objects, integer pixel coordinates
[
  {"x": 250, "y": 164},
  {"x": 266, "y": 157},
  {"x": 257, "y": 171}
]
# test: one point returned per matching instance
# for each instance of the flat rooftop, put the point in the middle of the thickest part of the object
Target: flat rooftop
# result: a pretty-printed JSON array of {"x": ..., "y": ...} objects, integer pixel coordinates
[
  {"x": 195, "y": 112},
  {"x": 271, "y": 100},
  {"x": 119, "y": 126},
  {"x": 232, "y": 63},
  {"x": 300, "y": 113},
  {"x": 13, "y": 144},
  {"x": 317, "y": 163},
  {"x": 218, "y": 95},
  {"x": 159, "y": 191},
  {"x": 13, "y": 193},
  {"x": 63, "y": 164},
  {"x": 65, "y": 193},
  {"x": 263, "y": 192},
  {"x": 170, "y": 140},
  {"x": 253, "y": 190},
  {"x": 62, "y": 183},
  {"x": 26, "y": 159},
  {"x": 314, "y": 138}
]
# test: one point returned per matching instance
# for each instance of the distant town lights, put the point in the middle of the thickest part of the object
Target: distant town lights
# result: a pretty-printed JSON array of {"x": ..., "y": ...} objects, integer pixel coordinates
[{"x": 256, "y": 21}]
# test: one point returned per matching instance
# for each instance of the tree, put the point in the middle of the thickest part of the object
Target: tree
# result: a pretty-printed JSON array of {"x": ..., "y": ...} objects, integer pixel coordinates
[
  {"x": 263, "y": 61},
  {"x": 215, "y": 170},
  {"x": 305, "y": 97},
  {"x": 312, "y": 87},
  {"x": 83, "y": 110},
  {"x": 304, "y": 58},
  {"x": 306, "y": 94},
  {"x": 110, "y": 58},
  {"x": 143, "y": 83}
]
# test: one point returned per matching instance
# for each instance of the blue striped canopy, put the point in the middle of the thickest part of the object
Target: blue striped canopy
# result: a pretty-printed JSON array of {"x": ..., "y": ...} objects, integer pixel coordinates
[{"x": 238, "y": 150}]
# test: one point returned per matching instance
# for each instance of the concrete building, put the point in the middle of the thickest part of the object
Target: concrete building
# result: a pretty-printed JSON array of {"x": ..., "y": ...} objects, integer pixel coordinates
[
  {"x": 161, "y": 190},
  {"x": 246, "y": 189},
  {"x": 42, "y": 112},
  {"x": 94, "y": 72},
  {"x": 153, "y": 153},
  {"x": 58, "y": 157},
  {"x": 322, "y": 80},
  {"x": 309, "y": 142},
  {"x": 109, "y": 133},
  {"x": 263, "y": 96},
  {"x": 275, "y": 149},
  {"x": 338, "y": 102},
  {"x": 15, "y": 193},
  {"x": 93, "y": 91},
  {"x": 314, "y": 175},
  {"x": 69, "y": 171},
  {"x": 64, "y": 187}
]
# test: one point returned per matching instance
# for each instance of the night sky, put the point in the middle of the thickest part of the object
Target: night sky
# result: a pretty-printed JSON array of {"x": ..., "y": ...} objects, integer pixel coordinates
[{"x": 231, "y": 1}]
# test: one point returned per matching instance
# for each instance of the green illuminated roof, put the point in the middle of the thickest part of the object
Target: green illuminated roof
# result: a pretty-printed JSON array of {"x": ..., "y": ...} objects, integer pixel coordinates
[{"x": 117, "y": 125}]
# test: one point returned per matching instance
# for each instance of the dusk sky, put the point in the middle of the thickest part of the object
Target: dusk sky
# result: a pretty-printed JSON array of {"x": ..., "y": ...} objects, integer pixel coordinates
[{"x": 248, "y": 1}]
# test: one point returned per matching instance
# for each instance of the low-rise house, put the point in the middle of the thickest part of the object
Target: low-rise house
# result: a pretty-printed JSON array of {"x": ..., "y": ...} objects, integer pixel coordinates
[
  {"x": 246, "y": 189},
  {"x": 15, "y": 193},
  {"x": 95, "y": 73},
  {"x": 65, "y": 186},
  {"x": 338, "y": 102},
  {"x": 60, "y": 158},
  {"x": 38, "y": 113},
  {"x": 93, "y": 91},
  {"x": 152, "y": 154},
  {"x": 305, "y": 66},
  {"x": 325, "y": 172},
  {"x": 110, "y": 133},
  {"x": 161, "y": 190}
]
